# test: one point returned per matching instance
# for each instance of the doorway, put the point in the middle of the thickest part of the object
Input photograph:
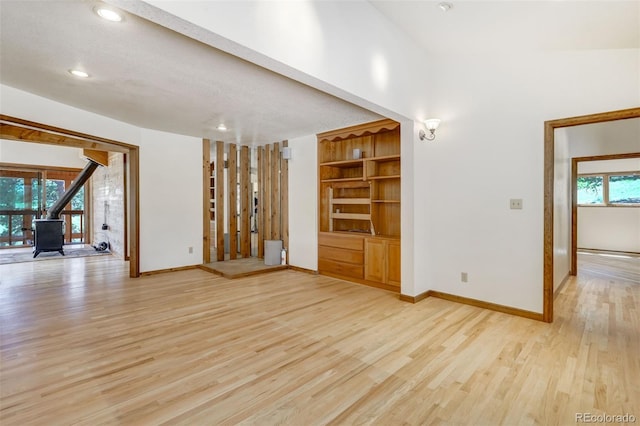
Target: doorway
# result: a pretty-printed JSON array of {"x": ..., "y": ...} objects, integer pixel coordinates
[
  {"x": 549, "y": 182},
  {"x": 17, "y": 129}
]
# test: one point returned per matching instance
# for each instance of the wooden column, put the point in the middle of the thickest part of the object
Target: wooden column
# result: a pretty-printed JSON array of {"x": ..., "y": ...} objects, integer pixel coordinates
[
  {"x": 219, "y": 200},
  {"x": 275, "y": 192},
  {"x": 267, "y": 192},
  {"x": 206, "y": 201},
  {"x": 245, "y": 212},
  {"x": 260, "y": 219},
  {"x": 232, "y": 177},
  {"x": 284, "y": 201}
]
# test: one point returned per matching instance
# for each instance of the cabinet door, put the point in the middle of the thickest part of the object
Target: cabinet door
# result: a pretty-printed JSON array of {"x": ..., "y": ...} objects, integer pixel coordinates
[
  {"x": 374, "y": 260},
  {"x": 393, "y": 263}
]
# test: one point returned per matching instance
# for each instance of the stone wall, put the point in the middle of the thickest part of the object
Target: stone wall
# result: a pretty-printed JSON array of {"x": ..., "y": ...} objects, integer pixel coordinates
[{"x": 108, "y": 204}]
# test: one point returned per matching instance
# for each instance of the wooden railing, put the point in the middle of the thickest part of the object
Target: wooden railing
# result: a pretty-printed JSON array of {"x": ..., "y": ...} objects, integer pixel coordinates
[{"x": 11, "y": 238}]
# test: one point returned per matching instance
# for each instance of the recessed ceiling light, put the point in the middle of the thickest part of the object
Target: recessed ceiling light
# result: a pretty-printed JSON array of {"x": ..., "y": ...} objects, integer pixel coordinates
[
  {"x": 222, "y": 127},
  {"x": 108, "y": 14},
  {"x": 79, "y": 73},
  {"x": 445, "y": 7}
]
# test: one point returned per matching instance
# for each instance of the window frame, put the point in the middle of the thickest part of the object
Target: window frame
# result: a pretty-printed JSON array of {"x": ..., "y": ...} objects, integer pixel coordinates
[{"x": 605, "y": 189}]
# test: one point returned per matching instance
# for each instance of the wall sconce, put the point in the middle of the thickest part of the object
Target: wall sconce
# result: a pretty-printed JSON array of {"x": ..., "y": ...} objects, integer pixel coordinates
[{"x": 431, "y": 125}]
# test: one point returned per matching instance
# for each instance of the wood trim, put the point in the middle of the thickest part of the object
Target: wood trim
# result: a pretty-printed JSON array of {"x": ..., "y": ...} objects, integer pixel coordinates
[
  {"x": 125, "y": 207},
  {"x": 219, "y": 168},
  {"x": 358, "y": 130},
  {"x": 245, "y": 200},
  {"x": 37, "y": 168},
  {"x": 232, "y": 178},
  {"x": 487, "y": 305},
  {"x": 573, "y": 263},
  {"x": 206, "y": 201},
  {"x": 284, "y": 200},
  {"x": 608, "y": 157},
  {"x": 134, "y": 217},
  {"x": 164, "y": 271},
  {"x": 305, "y": 270},
  {"x": 562, "y": 283},
  {"x": 100, "y": 157},
  {"x": 414, "y": 299},
  {"x": 549, "y": 146},
  {"x": 15, "y": 132}
]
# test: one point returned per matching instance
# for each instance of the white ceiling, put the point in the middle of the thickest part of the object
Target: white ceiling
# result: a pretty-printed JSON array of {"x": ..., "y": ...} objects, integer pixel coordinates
[
  {"x": 478, "y": 26},
  {"x": 152, "y": 77}
]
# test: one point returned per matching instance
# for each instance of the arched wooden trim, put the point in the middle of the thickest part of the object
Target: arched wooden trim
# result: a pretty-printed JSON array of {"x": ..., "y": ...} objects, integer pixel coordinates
[{"x": 359, "y": 130}]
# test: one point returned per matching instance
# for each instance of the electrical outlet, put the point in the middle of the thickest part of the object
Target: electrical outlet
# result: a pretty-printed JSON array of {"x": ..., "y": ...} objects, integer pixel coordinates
[
  {"x": 190, "y": 250},
  {"x": 464, "y": 277},
  {"x": 515, "y": 203}
]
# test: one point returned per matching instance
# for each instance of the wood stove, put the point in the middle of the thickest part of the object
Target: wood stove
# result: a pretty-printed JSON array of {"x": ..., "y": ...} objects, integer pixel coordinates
[{"x": 49, "y": 232}]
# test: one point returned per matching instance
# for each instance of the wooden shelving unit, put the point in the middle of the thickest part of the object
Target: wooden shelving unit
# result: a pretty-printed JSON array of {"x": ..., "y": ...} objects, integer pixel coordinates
[{"x": 359, "y": 202}]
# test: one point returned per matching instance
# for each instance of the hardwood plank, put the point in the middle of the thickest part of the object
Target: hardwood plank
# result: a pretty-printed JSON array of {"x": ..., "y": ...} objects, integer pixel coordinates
[{"x": 82, "y": 343}]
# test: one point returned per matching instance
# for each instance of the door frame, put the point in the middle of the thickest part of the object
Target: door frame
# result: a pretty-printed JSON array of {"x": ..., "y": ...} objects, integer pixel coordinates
[
  {"x": 20, "y": 130},
  {"x": 549, "y": 153}
]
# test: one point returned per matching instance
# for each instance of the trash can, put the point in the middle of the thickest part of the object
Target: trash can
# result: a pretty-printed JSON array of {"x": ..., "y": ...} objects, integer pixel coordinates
[{"x": 272, "y": 250}]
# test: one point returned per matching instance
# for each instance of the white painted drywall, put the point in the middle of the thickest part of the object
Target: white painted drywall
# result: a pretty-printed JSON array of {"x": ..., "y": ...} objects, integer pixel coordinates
[
  {"x": 613, "y": 137},
  {"x": 561, "y": 212},
  {"x": 40, "y": 155},
  {"x": 303, "y": 203},
  {"x": 609, "y": 228},
  {"x": 170, "y": 200}
]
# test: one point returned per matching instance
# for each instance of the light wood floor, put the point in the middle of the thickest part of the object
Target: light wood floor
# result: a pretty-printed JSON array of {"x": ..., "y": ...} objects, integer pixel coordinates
[{"x": 83, "y": 344}]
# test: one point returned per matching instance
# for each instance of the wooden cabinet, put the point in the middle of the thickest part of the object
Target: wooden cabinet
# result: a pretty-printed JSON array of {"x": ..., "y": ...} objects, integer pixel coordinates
[
  {"x": 359, "y": 198},
  {"x": 382, "y": 260}
]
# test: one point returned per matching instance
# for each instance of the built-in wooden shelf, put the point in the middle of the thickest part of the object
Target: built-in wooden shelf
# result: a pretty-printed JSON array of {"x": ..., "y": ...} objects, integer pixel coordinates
[
  {"x": 383, "y": 177},
  {"x": 351, "y": 201},
  {"x": 386, "y": 201},
  {"x": 353, "y": 179}
]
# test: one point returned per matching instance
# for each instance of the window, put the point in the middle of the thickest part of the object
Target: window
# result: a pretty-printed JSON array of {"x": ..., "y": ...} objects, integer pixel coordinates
[{"x": 609, "y": 189}]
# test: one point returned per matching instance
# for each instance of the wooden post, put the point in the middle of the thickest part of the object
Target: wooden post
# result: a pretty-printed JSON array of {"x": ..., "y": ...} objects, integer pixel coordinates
[
  {"x": 267, "y": 192},
  {"x": 260, "y": 219},
  {"x": 245, "y": 212},
  {"x": 206, "y": 201},
  {"x": 275, "y": 192},
  {"x": 219, "y": 200},
  {"x": 232, "y": 176}
]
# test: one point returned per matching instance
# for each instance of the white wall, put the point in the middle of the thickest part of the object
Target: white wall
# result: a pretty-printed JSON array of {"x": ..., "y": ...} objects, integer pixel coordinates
[
  {"x": 170, "y": 200},
  {"x": 609, "y": 228},
  {"x": 561, "y": 212},
  {"x": 490, "y": 149},
  {"x": 170, "y": 176},
  {"x": 613, "y": 137},
  {"x": 490, "y": 144},
  {"x": 303, "y": 203},
  {"x": 40, "y": 155}
]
